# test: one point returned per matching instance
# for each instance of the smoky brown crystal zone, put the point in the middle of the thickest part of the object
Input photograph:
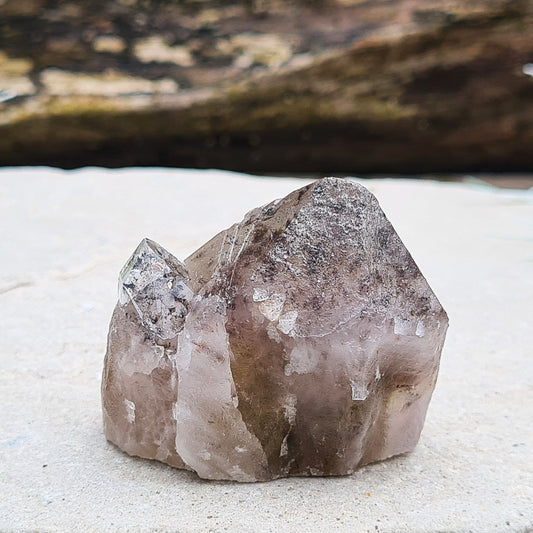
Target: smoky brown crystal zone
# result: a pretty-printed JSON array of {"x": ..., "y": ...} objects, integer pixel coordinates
[{"x": 301, "y": 341}]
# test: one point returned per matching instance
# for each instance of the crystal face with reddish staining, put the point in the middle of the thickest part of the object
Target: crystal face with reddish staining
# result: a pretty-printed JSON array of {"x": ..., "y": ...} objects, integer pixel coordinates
[{"x": 301, "y": 341}]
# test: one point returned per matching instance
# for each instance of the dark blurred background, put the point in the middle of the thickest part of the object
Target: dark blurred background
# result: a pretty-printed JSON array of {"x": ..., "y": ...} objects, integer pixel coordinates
[{"x": 269, "y": 86}]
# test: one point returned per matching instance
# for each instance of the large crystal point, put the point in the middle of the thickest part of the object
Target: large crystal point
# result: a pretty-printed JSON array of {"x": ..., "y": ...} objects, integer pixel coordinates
[{"x": 301, "y": 341}]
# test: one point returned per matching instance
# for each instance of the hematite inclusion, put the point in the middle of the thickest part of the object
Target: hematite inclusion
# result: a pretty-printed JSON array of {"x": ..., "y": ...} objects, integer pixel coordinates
[{"x": 303, "y": 340}]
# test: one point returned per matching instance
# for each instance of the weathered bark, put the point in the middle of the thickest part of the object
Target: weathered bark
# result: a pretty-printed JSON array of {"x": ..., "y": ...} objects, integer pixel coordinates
[{"x": 330, "y": 86}]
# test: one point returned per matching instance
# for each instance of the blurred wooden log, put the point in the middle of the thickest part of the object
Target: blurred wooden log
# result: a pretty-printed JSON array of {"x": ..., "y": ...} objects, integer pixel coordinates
[{"x": 269, "y": 86}]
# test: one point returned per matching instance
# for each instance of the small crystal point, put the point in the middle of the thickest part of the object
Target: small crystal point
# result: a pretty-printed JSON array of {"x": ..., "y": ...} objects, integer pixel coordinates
[
  {"x": 309, "y": 343},
  {"x": 139, "y": 385}
]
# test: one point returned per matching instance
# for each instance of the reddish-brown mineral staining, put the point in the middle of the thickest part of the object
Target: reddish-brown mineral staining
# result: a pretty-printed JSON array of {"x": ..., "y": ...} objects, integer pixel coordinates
[{"x": 301, "y": 341}]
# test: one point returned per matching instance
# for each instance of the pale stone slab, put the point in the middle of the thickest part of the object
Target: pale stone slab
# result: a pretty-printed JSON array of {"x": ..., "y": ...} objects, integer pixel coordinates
[{"x": 66, "y": 235}]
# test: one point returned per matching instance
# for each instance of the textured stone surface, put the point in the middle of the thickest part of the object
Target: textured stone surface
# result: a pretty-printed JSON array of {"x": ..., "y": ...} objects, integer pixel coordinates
[
  {"x": 310, "y": 347},
  {"x": 338, "y": 86}
]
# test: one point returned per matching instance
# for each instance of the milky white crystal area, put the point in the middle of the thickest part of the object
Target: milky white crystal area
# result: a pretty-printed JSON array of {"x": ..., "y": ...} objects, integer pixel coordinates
[{"x": 301, "y": 341}]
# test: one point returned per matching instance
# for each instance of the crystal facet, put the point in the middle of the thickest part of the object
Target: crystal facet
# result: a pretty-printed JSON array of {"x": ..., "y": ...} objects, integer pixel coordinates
[{"x": 301, "y": 341}]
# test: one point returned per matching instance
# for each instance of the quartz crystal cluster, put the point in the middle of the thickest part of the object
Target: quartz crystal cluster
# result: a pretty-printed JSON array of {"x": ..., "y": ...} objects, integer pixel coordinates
[{"x": 301, "y": 341}]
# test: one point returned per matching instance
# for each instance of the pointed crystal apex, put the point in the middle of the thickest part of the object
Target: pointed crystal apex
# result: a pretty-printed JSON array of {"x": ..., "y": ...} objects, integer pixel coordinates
[{"x": 156, "y": 283}]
